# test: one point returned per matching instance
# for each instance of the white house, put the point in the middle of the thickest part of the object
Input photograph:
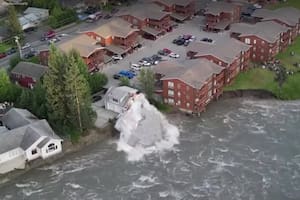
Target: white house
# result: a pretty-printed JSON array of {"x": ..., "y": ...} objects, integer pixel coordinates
[
  {"x": 33, "y": 17},
  {"x": 24, "y": 138},
  {"x": 118, "y": 99}
]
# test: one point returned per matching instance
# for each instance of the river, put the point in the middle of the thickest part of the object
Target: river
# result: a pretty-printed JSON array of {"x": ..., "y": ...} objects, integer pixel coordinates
[{"x": 238, "y": 149}]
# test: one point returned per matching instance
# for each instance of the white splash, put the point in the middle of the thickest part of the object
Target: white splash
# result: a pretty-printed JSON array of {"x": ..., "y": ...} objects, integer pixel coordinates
[{"x": 144, "y": 130}]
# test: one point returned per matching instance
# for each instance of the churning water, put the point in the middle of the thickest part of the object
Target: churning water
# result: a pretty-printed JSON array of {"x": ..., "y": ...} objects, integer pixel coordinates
[
  {"x": 144, "y": 130},
  {"x": 238, "y": 150}
]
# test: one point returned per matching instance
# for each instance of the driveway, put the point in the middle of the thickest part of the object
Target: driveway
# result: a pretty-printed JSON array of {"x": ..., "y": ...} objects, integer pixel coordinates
[{"x": 149, "y": 48}]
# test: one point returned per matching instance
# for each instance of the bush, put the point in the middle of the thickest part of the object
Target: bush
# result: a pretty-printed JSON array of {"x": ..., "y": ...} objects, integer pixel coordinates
[
  {"x": 13, "y": 61},
  {"x": 97, "y": 81},
  {"x": 62, "y": 17},
  {"x": 124, "y": 81}
]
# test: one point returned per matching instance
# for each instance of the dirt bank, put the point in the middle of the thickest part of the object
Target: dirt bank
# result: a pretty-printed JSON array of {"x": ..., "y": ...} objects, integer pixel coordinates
[{"x": 255, "y": 93}]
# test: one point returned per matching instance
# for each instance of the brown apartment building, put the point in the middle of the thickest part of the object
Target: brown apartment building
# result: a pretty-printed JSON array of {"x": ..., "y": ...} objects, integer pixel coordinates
[
  {"x": 116, "y": 36},
  {"x": 149, "y": 18},
  {"x": 92, "y": 54},
  {"x": 219, "y": 15},
  {"x": 267, "y": 38},
  {"x": 191, "y": 85},
  {"x": 287, "y": 16},
  {"x": 229, "y": 53},
  {"x": 180, "y": 9}
]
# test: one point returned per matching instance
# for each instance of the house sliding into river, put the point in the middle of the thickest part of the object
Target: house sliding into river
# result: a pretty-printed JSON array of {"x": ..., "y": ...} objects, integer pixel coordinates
[{"x": 23, "y": 138}]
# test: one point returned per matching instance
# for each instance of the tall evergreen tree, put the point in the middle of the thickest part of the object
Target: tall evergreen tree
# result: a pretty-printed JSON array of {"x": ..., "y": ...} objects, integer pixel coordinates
[
  {"x": 39, "y": 106},
  {"x": 54, "y": 83},
  {"x": 25, "y": 100},
  {"x": 78, "y": 97},
  {"x": 13, "y": 22},
  {"x": 80, "y": 63},
  {"x": 147, "y": 81}
]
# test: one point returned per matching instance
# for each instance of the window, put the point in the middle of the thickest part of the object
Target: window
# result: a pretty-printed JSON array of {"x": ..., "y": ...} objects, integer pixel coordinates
[
  {"x": 51, "y": 147},
  {"x": 170, "y": 93},
  {"x": 262, "y": 50},
  {"x": 178, "y": 86},
  {"x": 263, "y": 42},
  {"x": 261, "y": 57},
  {"x": 253, "y": 56},
  {"x": 34, "y": 151},
  {"x": 178, "y": 102},
  {"x": 188, "y": 105},
  {"x": 254, "y": 41},
  {"x": 220, "y": 63},
  {"x": 171, "y": 101},
  {"x": 115, "y": 100},
  {"x": 170, "y": 84},
  {"x": 179, "y": 94},
  {"x": 247, "y": 41},
  {"x": 254, "y": 48},
  {"x": 187, "y": 97}
]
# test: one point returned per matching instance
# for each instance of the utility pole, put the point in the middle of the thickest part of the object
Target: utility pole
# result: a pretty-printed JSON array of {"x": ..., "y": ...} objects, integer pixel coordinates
[{"x": 19, "y": 46}]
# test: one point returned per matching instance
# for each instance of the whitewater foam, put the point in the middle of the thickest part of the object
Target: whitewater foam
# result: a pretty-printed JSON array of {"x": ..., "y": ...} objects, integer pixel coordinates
[{"x": 144, "y": 130}]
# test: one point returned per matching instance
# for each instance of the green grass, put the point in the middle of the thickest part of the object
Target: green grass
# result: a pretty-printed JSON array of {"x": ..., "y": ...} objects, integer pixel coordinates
[
  {"x": 4, "y": 47},
  {"x": 258, "y": 78},
  {"x": 163, "y": 107},
  {"x": 291, "y": 3},
  {"x": 255, "y": 78},
  {"x": 286, "y": 59}
]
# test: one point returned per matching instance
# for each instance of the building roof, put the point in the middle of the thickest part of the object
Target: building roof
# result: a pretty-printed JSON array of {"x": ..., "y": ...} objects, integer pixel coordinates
[
  {"x": 36, "y": 10},
  {"x": 287, "y": 15},
  {"x": 121, "y": 94},
  {"x": 144, "y": 11},
  {"x": 267, "y": 30},
  {"x": 84, "y": 44},
  {"x": 176, "y": 2},
  {"x": 35, "y": 71},
  {"x": 217, "y": 7},
  {"x": 17, "y": 117},
  {"x": 193, "y": 72},
  {"x": 116, "y": 27},
  {"x": 224, "y": 48},
  {"x": 24, "y": 132}
]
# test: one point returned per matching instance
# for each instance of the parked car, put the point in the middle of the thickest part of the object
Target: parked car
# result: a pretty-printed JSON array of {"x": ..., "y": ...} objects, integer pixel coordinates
[
  {"x": 94, "y": 17},
  {"x": 49, "y": 34},
  {"x": 156, "y": 57},
  {"x": 117, "y": 57},
  {"x": 96, "y": 98},
  {"x": 53, "y": 40},
  {"x": 108, "y": 16},
  {"x": 168, "y": 51},
  {"x": 136, "y": 67},
  {"x": 207, "y": 40},
  {"x": 90, "y": 10},
  {"x": 144, "y": 63},
  {"x": 173, "y": 55},
  {"x": 26, "y": 46},
  {"x": 2, "y": 55},
  {"x": 133, "y": 72},
  {"x": 63, "y": 35},
  {"x": 162, "y": 53},
  {"x": 187, "y": 37},
  {"x": 186, "y": 43},
  {"x": 11, "y": 51},
  {"x": 29, "y": 55},
  {"x": 127, "y": 74},
  {"x": 117, "y": 76},
  {"x": 180, "y": 41}
]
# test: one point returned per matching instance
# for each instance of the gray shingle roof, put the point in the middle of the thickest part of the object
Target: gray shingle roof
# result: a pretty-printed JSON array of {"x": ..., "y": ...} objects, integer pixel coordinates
[
  {"x": 287, "y": 15},
  {"x": 17, "y": 117},
  {"x": 215, "y": 8},
  {"x": 267, "y": 30},
  {"x": 144, "y": 11},
  {"x": 193, "y": 72},
  {"x": 176, "y": 2},
  {"x": 224, "y": 48},
  {"x": 25, "y": 132},
  {"x": 28, "y": 69}
]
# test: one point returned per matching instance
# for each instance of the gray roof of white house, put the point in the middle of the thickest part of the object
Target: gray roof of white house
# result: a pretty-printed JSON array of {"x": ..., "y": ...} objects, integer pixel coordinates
[
  {"x": 267, "y": 30},
  {"x": 287, "y": 15},
  {"x": 24, "y": 136},
  {"x": 29, "y": 69},
  {"x": 224, "y": 48},
  {"x": 194, "y": 72},
  {"x": 215, "y": 8},
  {"x": 17, "y": 117}
]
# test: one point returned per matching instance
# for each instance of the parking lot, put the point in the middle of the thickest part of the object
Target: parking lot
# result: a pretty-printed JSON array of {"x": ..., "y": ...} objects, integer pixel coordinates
[{"x": 192, "y": 27}]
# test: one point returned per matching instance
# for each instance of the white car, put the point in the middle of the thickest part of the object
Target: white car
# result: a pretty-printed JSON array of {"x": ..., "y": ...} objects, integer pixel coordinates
[
  {"x": 173, "y": 55},
  {"x": 136, "y": 67},
  {"x": 144, "y": 63},
  {"x": 27, "y": 45},
  {"x": 53, "y": 40},
  {"x": 117, "y": 57}
]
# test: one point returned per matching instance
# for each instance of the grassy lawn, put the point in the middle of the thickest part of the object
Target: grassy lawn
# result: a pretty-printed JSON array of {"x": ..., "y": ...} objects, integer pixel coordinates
[
  {"x": 258, "y": 78},
  {"x": 291, "y": 3},
  {"x": 4, "y": 47},
  {"x": 286, "y": 59}
]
